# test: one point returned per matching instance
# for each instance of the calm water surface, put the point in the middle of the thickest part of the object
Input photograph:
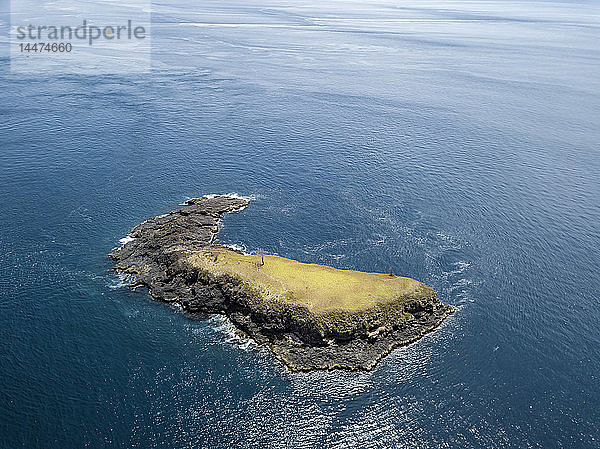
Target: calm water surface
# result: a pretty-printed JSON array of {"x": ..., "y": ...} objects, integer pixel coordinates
[{"x": 456, "y": 141}]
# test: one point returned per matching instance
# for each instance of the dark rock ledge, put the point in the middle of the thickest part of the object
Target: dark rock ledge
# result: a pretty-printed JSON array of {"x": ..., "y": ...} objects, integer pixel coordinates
[{"x": 157, "y": 256}]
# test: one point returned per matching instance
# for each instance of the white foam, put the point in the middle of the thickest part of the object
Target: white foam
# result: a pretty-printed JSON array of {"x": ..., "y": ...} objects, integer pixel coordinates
[
  {"x": 210, "y": 196},
  {"x": 232, "y": 195},
  {"x": 126, "y": 240},
  {"x": 121, "y": 280},
  {"x": 240, "y": 209},
  {"x": 236, "y": 247},
  {"x": 233, "y": 336}
]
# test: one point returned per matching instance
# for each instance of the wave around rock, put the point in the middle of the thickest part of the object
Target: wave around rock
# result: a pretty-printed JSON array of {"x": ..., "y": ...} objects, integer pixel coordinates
[{"x": 278, "y": 304}]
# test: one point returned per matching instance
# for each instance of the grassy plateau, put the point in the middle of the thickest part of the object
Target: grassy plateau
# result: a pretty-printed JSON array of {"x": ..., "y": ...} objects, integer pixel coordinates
[{"x": 321, "y": 289}]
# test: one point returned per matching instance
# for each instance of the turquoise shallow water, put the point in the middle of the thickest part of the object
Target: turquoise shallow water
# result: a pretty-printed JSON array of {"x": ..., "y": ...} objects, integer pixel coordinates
[{"x": 455, "y": 141}]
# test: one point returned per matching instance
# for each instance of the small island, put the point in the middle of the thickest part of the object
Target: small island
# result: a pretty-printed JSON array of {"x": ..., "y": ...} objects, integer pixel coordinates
[{"x": 310, "y": 316}]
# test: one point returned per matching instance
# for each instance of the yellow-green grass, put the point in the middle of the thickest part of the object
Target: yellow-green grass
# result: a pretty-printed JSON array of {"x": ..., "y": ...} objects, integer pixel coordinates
[{"x": 320, "y": 288}]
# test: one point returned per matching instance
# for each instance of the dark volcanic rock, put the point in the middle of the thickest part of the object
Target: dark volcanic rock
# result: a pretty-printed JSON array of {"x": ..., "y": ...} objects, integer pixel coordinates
[{"x": 156, "y": 257}]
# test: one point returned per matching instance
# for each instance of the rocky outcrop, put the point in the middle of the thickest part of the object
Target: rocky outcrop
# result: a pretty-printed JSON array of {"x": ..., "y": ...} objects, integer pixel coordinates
[{"x": 156, "y": 256}]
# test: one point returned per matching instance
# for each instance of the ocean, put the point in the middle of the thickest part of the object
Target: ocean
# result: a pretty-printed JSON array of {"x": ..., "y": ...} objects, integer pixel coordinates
[{"x": 457, "y": 141}]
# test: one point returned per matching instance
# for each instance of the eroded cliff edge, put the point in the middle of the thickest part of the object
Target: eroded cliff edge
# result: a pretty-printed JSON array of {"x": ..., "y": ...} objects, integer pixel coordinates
[{"x": 173, "y": 254}]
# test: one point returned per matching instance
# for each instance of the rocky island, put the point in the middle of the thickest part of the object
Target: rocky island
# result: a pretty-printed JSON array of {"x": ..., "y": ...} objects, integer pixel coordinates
[{"x": 310, "y": 316}]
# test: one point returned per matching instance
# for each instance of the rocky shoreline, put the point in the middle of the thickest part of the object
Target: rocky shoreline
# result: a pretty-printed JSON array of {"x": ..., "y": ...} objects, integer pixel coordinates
[{"x": 157, "y": 256}]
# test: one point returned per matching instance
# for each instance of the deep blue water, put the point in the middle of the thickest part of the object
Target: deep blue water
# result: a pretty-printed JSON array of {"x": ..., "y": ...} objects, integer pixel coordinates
[{"x": 456, "y": 141}]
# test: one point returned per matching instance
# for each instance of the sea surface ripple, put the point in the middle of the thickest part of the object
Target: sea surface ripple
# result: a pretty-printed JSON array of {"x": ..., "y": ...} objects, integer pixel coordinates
[{"x": 457, "y": 141}]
